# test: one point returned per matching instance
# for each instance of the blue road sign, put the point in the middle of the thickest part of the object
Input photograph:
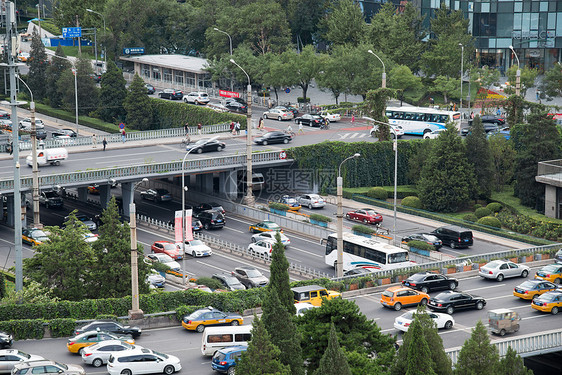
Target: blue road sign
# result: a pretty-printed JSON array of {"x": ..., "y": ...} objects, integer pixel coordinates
[
  {"x": 133, "y": 51},
  {"x": 71, "y": 32},
  {"x": 121, "y": 126},
  {"x": 287, "y": 90}
]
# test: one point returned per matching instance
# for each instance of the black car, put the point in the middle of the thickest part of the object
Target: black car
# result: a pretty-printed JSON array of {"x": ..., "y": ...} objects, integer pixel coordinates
[
  {"x": 453, "y": 236},
  {"x": 205, "y": 145},
  {"x": 109, "y": 326},
  {"x": 428, "y": 238},
  {"x": 149, "y": 89},
  {"x": 211, "y": 206},
  {"x": 493, "y": 119},
  {"x": 40, "y": 134},
  {"x": 6, "y": 340},
  {"x": 211, "y": 219},
  {"x": 451, "y": 301},
  {"x": 229, "y": 281},
  {"x": 310, "y": 120},
  {"x": 50, "y": 199},
  {"x": 273, "y": 137},
  {"x": 156, "y": 195},
  {"x": 63, "y": 132},
  {"x": 428, "y": 282},
  {"x": 171, "y": 94},
  {"x": 236, "y": 104}
]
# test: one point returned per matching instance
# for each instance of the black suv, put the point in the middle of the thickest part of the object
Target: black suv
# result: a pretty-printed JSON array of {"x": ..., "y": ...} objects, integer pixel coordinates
[
  {"x": 211, "y": 206},
  {"x": 211, "y": 219},
  {"x": 109, "y": 326},
  {"x": 451, "y": 301},
  {"x": 50, "y": 199},
  {"x": 428, "y": 282},
  {"x": 236, "y": 104},
  {"x": 453, "y": 236}
]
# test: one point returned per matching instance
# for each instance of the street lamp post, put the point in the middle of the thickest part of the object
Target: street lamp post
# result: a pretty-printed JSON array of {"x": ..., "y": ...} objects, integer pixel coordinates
[
  {"x": 462, "y": 73},
  {"x": 383, "y": 69},
  {"x": 135, "y": 312},
  {"x": 183, "y": 226},
  {"x": 229, "y": 38},
  {"x": 104, "y": 50},
  {"x": 249, "y": 198},
  {"x": 75, "y": 72},
  {"x": 339, "y": 215},
  {"x": 518, "y": 74}
]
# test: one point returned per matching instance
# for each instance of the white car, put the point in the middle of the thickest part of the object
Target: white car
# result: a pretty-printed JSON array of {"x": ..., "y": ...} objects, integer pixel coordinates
[
  {"x": 142, "y": 361},
  {"x": 196, "y": 248},
  {"x": 26, "y": 123},
  {"x": 197, "y": 98},
  {"x": 155, "y": 279},
  {"x": 270, "y": 236},
  {"x": 501, "y": 269},
  {"x": 98, "y": 354},
  {"x": 261, "y": 248},
  {"x": 164, "y": 259},
  {"x": 6, "y": 123},
  {"x": 331, "y": 117},
  {"x": 402, "y": 323},
  {"x": 394, "y": 130},
  {"x": 90, "y": 237},
  {"x": 434, "y": 134},
  {"x": 303, "y": 307},
  {"x": 10, "y": 357},
  {"x": 311, "y": 201}
]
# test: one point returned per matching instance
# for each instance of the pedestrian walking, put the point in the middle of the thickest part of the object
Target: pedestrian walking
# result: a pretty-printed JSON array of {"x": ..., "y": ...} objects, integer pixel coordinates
[
  {"x": 538, "y": 95},
  {"x": 261, "y": 124},
  {"x": 301, "y": 130},
  {"x": 94, "y": 141},
  {"x": 104, "y": 143},
  {"x": 123, "y": 136},
  {"x": 472, "y": 115},
  {"x": 352, "y": 118},
  {"x": 199, "y": 127},
  {"x": 499, "y": 112},
  {"x": 237, "y": 128},
  {"x": 186, "y": 128},
  {"x": 11, "y": 148}
]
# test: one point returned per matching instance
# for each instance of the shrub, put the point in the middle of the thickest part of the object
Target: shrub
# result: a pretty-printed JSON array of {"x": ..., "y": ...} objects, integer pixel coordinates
[
  {"x": 184, "y": 310},
  {"x": 477, "y": 206},
  {"x": 362, "y": 229},
  {"x": 24, "y": 329},
  {"x": 377, "y": 193},
  {"x": 62, "y": 327},
  {"x": 421, "y": 245},
  {"x": 278, "y": 206},
  {"x": 470, "y": 217},
  {"x": 322, "y": 218},
  {"x": 106, "y": 317},
  {"x": 211, "y": 283},
  {"x": 482, "y": 211},
  {"x": 412, "y": 201},
  {"x": 494, "y": 207},
  {"x": 490, "y": 221}
]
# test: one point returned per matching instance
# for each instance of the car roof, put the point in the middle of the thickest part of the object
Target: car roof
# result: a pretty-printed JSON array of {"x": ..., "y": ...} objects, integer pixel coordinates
[
  {"x": 307, "y": 288},
  {"x": 231, "y": 349}
]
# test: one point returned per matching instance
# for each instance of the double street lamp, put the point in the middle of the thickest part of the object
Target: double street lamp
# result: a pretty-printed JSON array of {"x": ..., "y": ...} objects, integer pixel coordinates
[
  {"x": 229, "y": 38},
  {"x": 518, "y": 74},
  {"x": 383, "y": 69},
  {"x": 462, "y": 72}
]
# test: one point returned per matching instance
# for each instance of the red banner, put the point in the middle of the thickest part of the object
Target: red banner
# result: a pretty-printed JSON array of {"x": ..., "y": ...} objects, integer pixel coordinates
[
  {"x": 177, "y": 227},
  {"x": 229, "y": 94}
]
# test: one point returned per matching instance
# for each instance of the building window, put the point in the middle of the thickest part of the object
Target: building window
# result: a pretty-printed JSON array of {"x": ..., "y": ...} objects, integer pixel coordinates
[
  {"x": 178, "y": 77},
  {"x": 551, "y": 21},
  {"x": 485, "y": 8},
  {"x": 145, "y": 70},
  {"x": 156, "y": 74},
  {"x": 205, "y": 80},
  {"x": 518, "y": 7},
  {"x": 505, "y": 23},
  {"x": 544, "y": 6},
  {"x": 167, "y": 75},
  {"x": 190, "y": 79},
  {"x": 517, "y": 21},
  {"x": 526, "y": 22}
]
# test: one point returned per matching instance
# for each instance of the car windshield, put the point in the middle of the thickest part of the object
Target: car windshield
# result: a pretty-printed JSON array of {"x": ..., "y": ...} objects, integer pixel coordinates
[
  {"x": 398, "y": 257},
  {"x": 202, "y": 141},
  {"x": 164, "y": 258},
  {"x": 196, "y": 243},
  {"x": 196, "y": 314},
  {"x": 219, "y": 356},
  {"x": 388, "y": 294},
  {"x": 272, "y": 226},
  {"x": 162, "y": 191},
  {"x": 528, "y": 285},
  {"x": 493, "y": 264},
  {"x": 51, "y": 194},
  {"x": 38, "y": 234},
  {"x": 165, "y": 356},
  {"x": 61, "y": 365},
  {"x": 231, "y": 280},
  {"x": 552, "y": 268},
  {"x": 253, "y": 273},
  {"x": 25, "y": 355},
  {"x": 371, "y": 212},
  {"x": 549, "y": 296},
  {"x": 417, "y": 277},
  {"x": 169, "y": 246},
  {"x": 409, "y": 315}
]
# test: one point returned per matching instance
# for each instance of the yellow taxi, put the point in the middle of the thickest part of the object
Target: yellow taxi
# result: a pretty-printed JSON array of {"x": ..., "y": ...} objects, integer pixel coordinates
[
  {"x": 396, "y": 297},
  {"x": 313, "y": 294},
  {"x": 552, "y": 273},
  {"x": 33, "y": 236},
  {"x": 549, "y": 302},
  {"x": 531, "y": 289},
  {"x": 199, "y": 319},
  {"x": 79, "y": 342},
  {"x": 265, "y": 226}
]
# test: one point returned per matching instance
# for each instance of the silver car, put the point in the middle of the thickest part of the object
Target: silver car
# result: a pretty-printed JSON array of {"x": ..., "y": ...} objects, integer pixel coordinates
[
  {"x": 311, "y": 201},
  {"x": 98, "y": 354},
  {"x": 11, "y": 357},
  {"x": 500, "y": 269},
  {"x": 47, "y": 366}
]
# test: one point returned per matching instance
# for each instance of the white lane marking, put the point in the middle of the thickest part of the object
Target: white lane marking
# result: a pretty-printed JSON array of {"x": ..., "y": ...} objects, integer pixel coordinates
[{"x": 485, "y": 287}]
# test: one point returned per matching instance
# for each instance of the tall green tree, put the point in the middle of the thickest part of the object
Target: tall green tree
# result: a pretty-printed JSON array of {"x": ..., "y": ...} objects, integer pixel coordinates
[
  {"x": 512, "y": 364},
  {"x": 140, "y": 113},
  {"x": 38, "y": 64},
  {"x": 112, "y": 94},
  {"x": 527, "y": 79},
  {"x": 479, "y": 156},
  {"x": 538, "y": 140},
  {"x": 88, "y": 93},
  {"x": 301, "y": 68},
  {"x": 329, "y": 76},
  {"x": 552, "y": 81},
  {"x": 333, "y": 362},
  {"x": 478, "y": 355},
  {"x": 419, "y": 356},
  {"x": 447, "y": 86},
  {"x": 402, "y": 78},
  {"x": 503, "y": 160},
  {"x": 375, "y": 106},
  {"x": 279, "y": 283},
  {"x": 262, "y": 356},
  {"x": 54, "y": 72},
  {"x": 111, "y": 274},
  {"x": 447, "y": 179},
  {"x": 283, "y": 331},
  {"x": 345, "y": 24},
  {"x": 304, "y": 17},
  {"x": 63, "y": 264}
]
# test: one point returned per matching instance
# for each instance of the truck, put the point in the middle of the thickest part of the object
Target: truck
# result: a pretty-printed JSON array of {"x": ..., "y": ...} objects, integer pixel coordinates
[{"x": 51, "y": 156}]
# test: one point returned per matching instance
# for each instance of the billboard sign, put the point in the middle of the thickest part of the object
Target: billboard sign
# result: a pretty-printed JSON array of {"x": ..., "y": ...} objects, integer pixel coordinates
[
  {"x": 133, "y": 51},
  {"x": 229, "y": 94},
  {"x": 71, "y": 32}
]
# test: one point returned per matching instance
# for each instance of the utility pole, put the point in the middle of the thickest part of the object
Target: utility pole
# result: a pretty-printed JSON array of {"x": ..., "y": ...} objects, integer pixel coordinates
[{"x": 79, "y": 42}]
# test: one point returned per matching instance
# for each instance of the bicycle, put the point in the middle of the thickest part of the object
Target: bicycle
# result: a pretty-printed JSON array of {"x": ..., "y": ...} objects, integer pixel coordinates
[{"x": 185, "y": 141}]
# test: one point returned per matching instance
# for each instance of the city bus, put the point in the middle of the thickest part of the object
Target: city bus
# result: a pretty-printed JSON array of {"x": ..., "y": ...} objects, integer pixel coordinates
[
  {"x": 422, "y": 120},
  {"x": 359, "y": 251}
]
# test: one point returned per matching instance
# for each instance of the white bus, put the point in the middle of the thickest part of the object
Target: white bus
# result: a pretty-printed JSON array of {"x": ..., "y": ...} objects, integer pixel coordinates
[
  {"x": 421, "y": 120},
  {"x": 359, "y": 251}
]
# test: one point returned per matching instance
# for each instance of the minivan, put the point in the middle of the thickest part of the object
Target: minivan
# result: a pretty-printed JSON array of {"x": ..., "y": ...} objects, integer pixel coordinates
[
  {"x": 313, "y": 294},
  {"x": 217, "y": 338},
  {"x": 454, "y": 236}
]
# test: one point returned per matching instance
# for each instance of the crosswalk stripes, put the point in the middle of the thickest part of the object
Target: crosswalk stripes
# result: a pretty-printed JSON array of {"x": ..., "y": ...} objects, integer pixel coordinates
[{"x": 353, "y": 135}]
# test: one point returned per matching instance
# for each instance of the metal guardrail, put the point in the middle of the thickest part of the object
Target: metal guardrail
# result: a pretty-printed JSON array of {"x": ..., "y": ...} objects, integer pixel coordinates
[
  {"x": 144, "y": 170},
  {"x": 25, "y": 144},
  {"x": 232, "y": 247},
  {"x": 525, "y": 346}
]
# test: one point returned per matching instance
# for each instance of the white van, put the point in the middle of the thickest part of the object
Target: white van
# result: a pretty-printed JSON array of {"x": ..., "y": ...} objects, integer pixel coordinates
[{"x": 216, "y": 338}]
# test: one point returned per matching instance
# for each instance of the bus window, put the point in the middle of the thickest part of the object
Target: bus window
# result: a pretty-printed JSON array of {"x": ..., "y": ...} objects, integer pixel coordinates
[
  {"x": 444, "y": 119},
  {"x": 398, "y": 257},
  {"x": 389, "y": 114}
]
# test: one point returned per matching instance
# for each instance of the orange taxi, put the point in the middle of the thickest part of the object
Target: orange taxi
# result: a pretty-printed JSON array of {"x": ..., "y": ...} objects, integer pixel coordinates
[
  {"x": 396, "y": 297},
  {"x": 531, "y": 289},
  {"x": 551, "y": 272},
  {"x": 549, "y": 302}
]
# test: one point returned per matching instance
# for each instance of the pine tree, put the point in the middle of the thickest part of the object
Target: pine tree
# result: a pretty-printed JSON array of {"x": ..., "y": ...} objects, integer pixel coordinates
[
  {"x": 479, "y": 156},
  {"x": 283, "y": 331},
  {"x": 112, "y": 94},
  {"x": 88, "y": 93},
  {"x": 262, "y": 356},
  {"x": 279, "y": 277},
  {"x": 54, "y": 72},
  {"x": 478, "y": 355},
  {"x": 38, "y": 64},
  {"x": 333, "y": 362},
  {"x": 419, "y": 356},
  {"x": 138, "y": 106},
  {"x": 512, "y": 364}
]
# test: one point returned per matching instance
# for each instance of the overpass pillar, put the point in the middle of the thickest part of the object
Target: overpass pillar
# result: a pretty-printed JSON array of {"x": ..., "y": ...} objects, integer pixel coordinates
[
  {"x": 82, "y": 194},
  {"x": 227, "y": 186},
  {"x": 128, "y": 196},
  {"x": 105, "y": 195},
  {"x": 205, "y": 182}
]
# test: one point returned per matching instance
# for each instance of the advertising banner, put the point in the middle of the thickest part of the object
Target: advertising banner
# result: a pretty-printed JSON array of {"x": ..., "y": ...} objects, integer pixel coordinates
[
  {"x": 188, "y": 228},
  {"x": 177, "y": 227}
]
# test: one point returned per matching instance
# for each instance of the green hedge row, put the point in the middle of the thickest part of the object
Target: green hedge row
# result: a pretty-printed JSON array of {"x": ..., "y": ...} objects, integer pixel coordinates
[
  {"x": 91, "y": 122},
  {"x": 174, "y": 115}
]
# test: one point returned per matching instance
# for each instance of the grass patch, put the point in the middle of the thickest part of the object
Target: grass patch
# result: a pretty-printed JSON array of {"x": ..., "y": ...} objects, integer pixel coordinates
[
  {"x": 82, "y": 120},
  {"x": 506, "y": 197}
]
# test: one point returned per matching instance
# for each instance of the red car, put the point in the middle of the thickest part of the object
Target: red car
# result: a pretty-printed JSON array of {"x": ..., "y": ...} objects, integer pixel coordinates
[
  {"x": 365, "y": 215},
  {"x": 168, "y": 248}
]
